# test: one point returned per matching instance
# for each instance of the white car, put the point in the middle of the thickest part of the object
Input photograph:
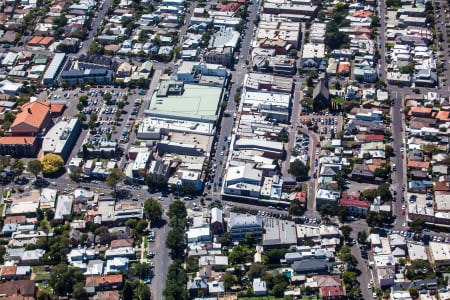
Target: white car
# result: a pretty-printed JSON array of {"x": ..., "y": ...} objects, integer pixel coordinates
[
  {"x": 403, "y": 206},
  {"x": 221, "y": 153},
  {"x": 402, "y": 149}
]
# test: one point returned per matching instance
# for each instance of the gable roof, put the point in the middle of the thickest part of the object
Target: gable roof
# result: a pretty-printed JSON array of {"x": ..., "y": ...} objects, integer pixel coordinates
[
  {"x": 33, "y": 114},
  {"x": 18, "y": 287},
  {"x": 326, "y": 280},
  {"x": 17, "y": 140},
  {"x": 332, "y": 291}
]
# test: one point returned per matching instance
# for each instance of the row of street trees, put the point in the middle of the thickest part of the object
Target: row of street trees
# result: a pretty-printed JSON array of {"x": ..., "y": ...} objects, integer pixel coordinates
[{"x": 176, "y": 243}]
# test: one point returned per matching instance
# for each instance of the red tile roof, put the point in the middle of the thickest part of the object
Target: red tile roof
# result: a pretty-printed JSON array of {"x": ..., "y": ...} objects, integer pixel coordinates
[
  {"x": 353, "y": 200},
  {"x": 15, "y": 219},
  {"x": 374, "y": 137},
  {"x": 17, "y": 140},
  {"x": 100, "y": 280},
  {"x": 332, "y": 291},
  {"x": 33, "y": 114}
]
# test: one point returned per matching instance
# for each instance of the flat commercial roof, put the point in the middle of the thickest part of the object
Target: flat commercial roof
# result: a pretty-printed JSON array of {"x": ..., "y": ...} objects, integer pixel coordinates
[
  {"x": 53, "y": 68},
  {"x": 196, "y": 103}
]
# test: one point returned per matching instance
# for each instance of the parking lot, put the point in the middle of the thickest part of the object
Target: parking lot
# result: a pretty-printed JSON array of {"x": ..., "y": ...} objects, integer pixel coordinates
[{"x": 325, "y": 124}]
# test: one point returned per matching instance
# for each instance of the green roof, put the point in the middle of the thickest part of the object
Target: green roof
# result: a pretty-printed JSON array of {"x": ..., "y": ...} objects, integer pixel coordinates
[{"x": 195, "y": 102}]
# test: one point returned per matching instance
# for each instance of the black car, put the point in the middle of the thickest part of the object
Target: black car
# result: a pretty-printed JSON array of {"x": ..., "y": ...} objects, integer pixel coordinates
[{"x": 150, "y": 254}]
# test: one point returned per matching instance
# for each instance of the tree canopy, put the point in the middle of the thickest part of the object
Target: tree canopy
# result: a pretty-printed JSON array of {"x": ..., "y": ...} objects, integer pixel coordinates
[
  {"x": 153, "y": 210},
  {"x": 52, "y": 163},
  {"x": 64, "y": 278},
  {"x": 115, "y": 176},
  {"x": 298, "y": 168},
  {"x": 34, "y": 167}
]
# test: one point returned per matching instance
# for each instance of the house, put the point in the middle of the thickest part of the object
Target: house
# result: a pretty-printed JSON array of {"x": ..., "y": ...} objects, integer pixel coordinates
[
  {"x": 101, "y": 283},
  {"x": 355, "y": 206},
  {"x": 216, "y": 287},
  {"x": 216, "y": 262},
  {"x": 362, "y": 173},
  {"x": 197, "y": 286},
  {"x": 18, "y": 288},
  {"x": 32, "y": 257},
  {"x": 259, "y": 287},
  {"x": 310, "y": 266},
  {"x": 217, "y": 224},
  {"x": 330, "y": 287},
  {"x": 321, "y": 96}
]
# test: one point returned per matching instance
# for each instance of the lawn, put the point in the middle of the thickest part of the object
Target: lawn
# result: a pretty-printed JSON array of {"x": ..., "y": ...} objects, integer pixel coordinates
[
  {"x": 339, "y": 100},
  {"x": 40, "y": 273}
]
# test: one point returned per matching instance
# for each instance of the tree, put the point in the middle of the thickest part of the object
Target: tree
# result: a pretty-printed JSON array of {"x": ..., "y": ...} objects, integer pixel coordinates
[
  {"x": 342, "y": 213},
  {"x": 228, "y": 281},
  {"x": 107, "y": 96},
  {"x": 256, "y": 270},
  {"x": 102, "y": 233},
  {"x": 176, "y": 242},
  {"x": 75, "y": 174},
  {"x": 384, "y": 192},
  {"x": 49, "y": 214},
  {"x": 177, "y": 209},
  {"x": 34, "y": 167},
  {"x": 42, "y": 295},
  {"x": 127, "y": 291},
  {"x": 417, "y": 225},
  {"x": 63, "y": 279},
  {"x": 389, "y": 150},
  {"x": 362, "y": 237},
  {"x": 79, "y": 292},
  {"x": 295, "y": 208},
  {"x": 115, "y": 176},
  {"x": 414, "y": 293},
  {"x": 298, "y": 168},
  {"x": 52, "y": 163},
  {"x": 142, "y": 291},
  {"x": 368, "y": 195},
  {"x": 346, "y": 231},
  {"x": 153, "y": 210},
  {"x": 326, "y": 211},
  {"x": 17, "y": 167}
]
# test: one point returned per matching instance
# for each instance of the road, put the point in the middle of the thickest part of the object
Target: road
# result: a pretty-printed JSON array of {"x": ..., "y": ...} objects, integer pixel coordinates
[
  {"x": 162, "y": 261},
  {"x": 227, "y": 123}
]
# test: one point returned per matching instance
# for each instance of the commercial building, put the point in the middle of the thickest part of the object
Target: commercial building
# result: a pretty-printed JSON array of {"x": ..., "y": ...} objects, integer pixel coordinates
[
  {"x": 190, "y": 102},
  {"x": 241, "y": 224},
  {"x": 439, "y": 254},
  {"x": 53, "y": 69},
  {"x": 100, "y": 75},
  {"x": 61, "y": 138}
]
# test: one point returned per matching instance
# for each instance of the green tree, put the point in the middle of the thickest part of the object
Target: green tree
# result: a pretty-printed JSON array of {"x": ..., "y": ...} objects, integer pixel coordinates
[
  {"x": 228, "y": 281},
  {"x": 79, "y": 292},
  {"x": 295, "y": 208},
  {"x": 153, "y": 210},
  {"x": 326, "y": 211},
  {"x": 342, "y": 213},
  {"x": 362, "y": 237},
  {"x": 142, "y": 291},
  {"x": 298, "y": 168},
  {"x": 384, "y": 192},
  {"x": 417, "y": 225},
  {"x": 256, "y": 270},
  {"x": 63, "y": 279},
  {"x": 414, "y": 293},
  {"x": 346, "y": 231},
  {"x": 17, "y": 167},
  {"x": 127, "y": 291},
  {"x": 107, "y": 96},
  {"x": 34, "y": 167},
  {"x": 176, "y": 242},
  {"x": 177, "y": 209},
  {"x": 115, "y": 176},
  {"x": 368, "y": 195},
  {"x": 75, "y": 174}
]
